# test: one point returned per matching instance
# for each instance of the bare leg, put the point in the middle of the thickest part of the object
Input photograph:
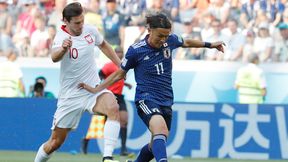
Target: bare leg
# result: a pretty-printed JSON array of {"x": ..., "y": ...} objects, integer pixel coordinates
[
  {"x": 56, "y": 139},
  {"x": 123, "y": 131},
  {"x": 107, "y": 105}
]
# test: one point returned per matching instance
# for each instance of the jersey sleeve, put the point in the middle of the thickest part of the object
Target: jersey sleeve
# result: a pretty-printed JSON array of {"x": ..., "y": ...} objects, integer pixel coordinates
[
  {"x": 58, "y": 40},
  {"x": 177, "y": 41},
  {"x": 129, "y": 62}
]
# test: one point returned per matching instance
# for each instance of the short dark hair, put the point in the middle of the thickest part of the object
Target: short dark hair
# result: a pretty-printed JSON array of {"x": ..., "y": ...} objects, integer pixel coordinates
[
  {"x": 42, "y": 78},
  {"x": 72, "y": 10},
  {"x": 158, "y": 20}
]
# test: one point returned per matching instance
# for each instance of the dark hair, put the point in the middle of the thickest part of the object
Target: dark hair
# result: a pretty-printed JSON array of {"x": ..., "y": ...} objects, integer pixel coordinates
[
  {"x": 38, "y": 87},
  {"x": 42, "y": 78},
  {"x": 72, "y": 10},
  {"x": 158, "y": 20}
]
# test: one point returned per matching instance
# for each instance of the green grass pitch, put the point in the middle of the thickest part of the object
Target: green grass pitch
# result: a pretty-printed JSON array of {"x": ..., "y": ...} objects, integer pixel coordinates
[{"x": 25, "y": 156}]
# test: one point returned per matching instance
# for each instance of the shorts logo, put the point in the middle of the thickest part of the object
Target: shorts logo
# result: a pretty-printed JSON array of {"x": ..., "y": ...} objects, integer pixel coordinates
[
  {"x": 155, "y": 110},
  {"x": 167, "y": 53},
  {"x": 88, "y": 38}
]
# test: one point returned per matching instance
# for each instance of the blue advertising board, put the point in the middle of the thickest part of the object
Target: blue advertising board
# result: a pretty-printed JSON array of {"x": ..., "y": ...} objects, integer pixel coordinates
[{"x": 199, "y": 130}]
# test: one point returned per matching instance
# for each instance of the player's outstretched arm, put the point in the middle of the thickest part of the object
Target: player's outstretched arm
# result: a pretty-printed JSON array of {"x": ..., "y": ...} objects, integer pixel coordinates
[
  {"x": 114, "y": 77},
  {"x": 188, "y": 43}
]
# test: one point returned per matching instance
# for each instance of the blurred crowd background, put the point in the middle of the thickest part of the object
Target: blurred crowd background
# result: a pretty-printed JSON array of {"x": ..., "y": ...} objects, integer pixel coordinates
[{"x": 246, "y": 26}]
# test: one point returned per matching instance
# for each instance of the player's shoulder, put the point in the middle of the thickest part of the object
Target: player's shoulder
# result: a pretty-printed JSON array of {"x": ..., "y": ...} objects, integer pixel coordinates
[
  {"x": 175, "y": 37},
  {"x": 89, "y": 28},
  {"x": 139, "y": 44}
]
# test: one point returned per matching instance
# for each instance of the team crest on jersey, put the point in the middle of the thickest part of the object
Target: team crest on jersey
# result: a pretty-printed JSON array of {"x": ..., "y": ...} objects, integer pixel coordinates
[
  {"x": 89, "y": 39},
  {"x": 167, "y": 53}
]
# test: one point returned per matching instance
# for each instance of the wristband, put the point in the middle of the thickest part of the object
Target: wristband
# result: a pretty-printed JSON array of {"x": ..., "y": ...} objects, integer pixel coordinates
[{"x": 207, "y": 44}]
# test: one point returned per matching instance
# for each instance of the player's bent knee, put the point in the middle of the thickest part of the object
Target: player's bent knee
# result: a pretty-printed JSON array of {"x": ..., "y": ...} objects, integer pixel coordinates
[
  {"x": 113, "y": 111},
  {"x": 159, "y": 129}
]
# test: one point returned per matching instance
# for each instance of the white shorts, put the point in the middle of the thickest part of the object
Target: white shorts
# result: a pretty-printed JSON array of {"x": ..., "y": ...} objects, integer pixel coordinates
[{"x": 69, "y": 111}]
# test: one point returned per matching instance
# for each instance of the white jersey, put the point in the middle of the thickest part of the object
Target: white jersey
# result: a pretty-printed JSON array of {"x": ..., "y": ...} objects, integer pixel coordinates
[{"x": 78, "y": 64}]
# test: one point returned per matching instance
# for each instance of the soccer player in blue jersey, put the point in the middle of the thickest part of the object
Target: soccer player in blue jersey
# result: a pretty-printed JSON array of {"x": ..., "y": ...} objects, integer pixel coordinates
[{"x": 152, "y": 63}]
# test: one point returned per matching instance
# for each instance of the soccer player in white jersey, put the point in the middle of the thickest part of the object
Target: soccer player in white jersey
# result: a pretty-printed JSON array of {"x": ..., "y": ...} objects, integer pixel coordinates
[{"x": 73, "y": 46}]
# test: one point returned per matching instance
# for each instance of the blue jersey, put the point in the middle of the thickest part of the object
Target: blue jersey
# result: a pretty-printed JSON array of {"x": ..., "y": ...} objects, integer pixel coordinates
[{"x": 152, "y": 69}]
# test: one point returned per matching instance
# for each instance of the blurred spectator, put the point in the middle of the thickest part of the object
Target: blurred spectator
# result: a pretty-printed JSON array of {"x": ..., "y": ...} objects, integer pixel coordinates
[
  {"x": 26, "y": 20},
  {"x": 235, "y": 9},
  {"x": 285, "y": 16},
  {"x": 38, "y": 90},
  {"x": 47, "y": 5},
  {"x": 261, "y": 17},
  {"x": 5, "y": 43},
  {"x": 263, "y": 43},
  {"x": 93, "y": 15},
  {"x": 220, "y": 10},
  {"x": 274, "y": 9},
  {"x": 190, "y": 53},
  {"x": 250, "y": 82},
  {"x": 6, "y": 20},
  {"x": 213, "y": 54},
  {"x": 135, "y": 34},
  {"x": 248, "y": 13},
  {"x": 133, "y": 11},
  {"x": 158, "y": 6},
  {"x": 189, "y": 8},
  {"x": 235, "y": 43},
  {"x": 40, "y": 38},
  {"x": 23, "y": 45},
  {"x": 205, "y": 25},
  {"x": 11, "y": 84},
  {"x": 14, "y": 10},
  {"x": 42, "y": 80},
  {"x": 113, "y": 24},
  {"x": 51, "y": 34},
  {"x": 248, "y": 46},
  {"x": 173, "y": 6},
  {"x": 55, "y": 18},
  {"x": 281, "y": 47}
]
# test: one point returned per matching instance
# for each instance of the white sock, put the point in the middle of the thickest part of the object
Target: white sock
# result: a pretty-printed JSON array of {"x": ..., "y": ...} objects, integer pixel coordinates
[
  {"x": 111, "y": 133},
  {"x": 42, "y": 156}
]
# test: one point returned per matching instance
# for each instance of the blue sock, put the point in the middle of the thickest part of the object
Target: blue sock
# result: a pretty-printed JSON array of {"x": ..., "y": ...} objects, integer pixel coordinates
[
  {"x": 159, "y": 148},
  {"x": 145, "y": 154}
]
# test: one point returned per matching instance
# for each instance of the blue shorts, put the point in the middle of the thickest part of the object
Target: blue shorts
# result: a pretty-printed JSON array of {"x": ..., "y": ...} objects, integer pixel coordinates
[{"x": 146, "y": 109}]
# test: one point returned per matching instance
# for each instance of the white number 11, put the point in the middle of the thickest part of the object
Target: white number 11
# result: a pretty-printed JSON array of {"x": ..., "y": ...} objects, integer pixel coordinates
[{"x": 159, "y": 68}]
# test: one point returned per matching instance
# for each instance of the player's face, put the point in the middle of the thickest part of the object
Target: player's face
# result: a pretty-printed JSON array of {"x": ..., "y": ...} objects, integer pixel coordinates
[
  {"x": 75, "y": 25},
  {"x": 158, "y": 36}
]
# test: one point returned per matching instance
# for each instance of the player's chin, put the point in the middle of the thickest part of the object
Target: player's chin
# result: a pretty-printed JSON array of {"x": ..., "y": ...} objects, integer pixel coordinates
[{"x": 79, "y": 32}]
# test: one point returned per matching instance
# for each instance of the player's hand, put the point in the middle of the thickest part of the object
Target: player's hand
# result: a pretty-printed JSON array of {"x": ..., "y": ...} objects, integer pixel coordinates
[
  {"x": 87, "y": 87},
  {"x": 218, "y": 45},
  {"x": 67, "y": 43}
]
